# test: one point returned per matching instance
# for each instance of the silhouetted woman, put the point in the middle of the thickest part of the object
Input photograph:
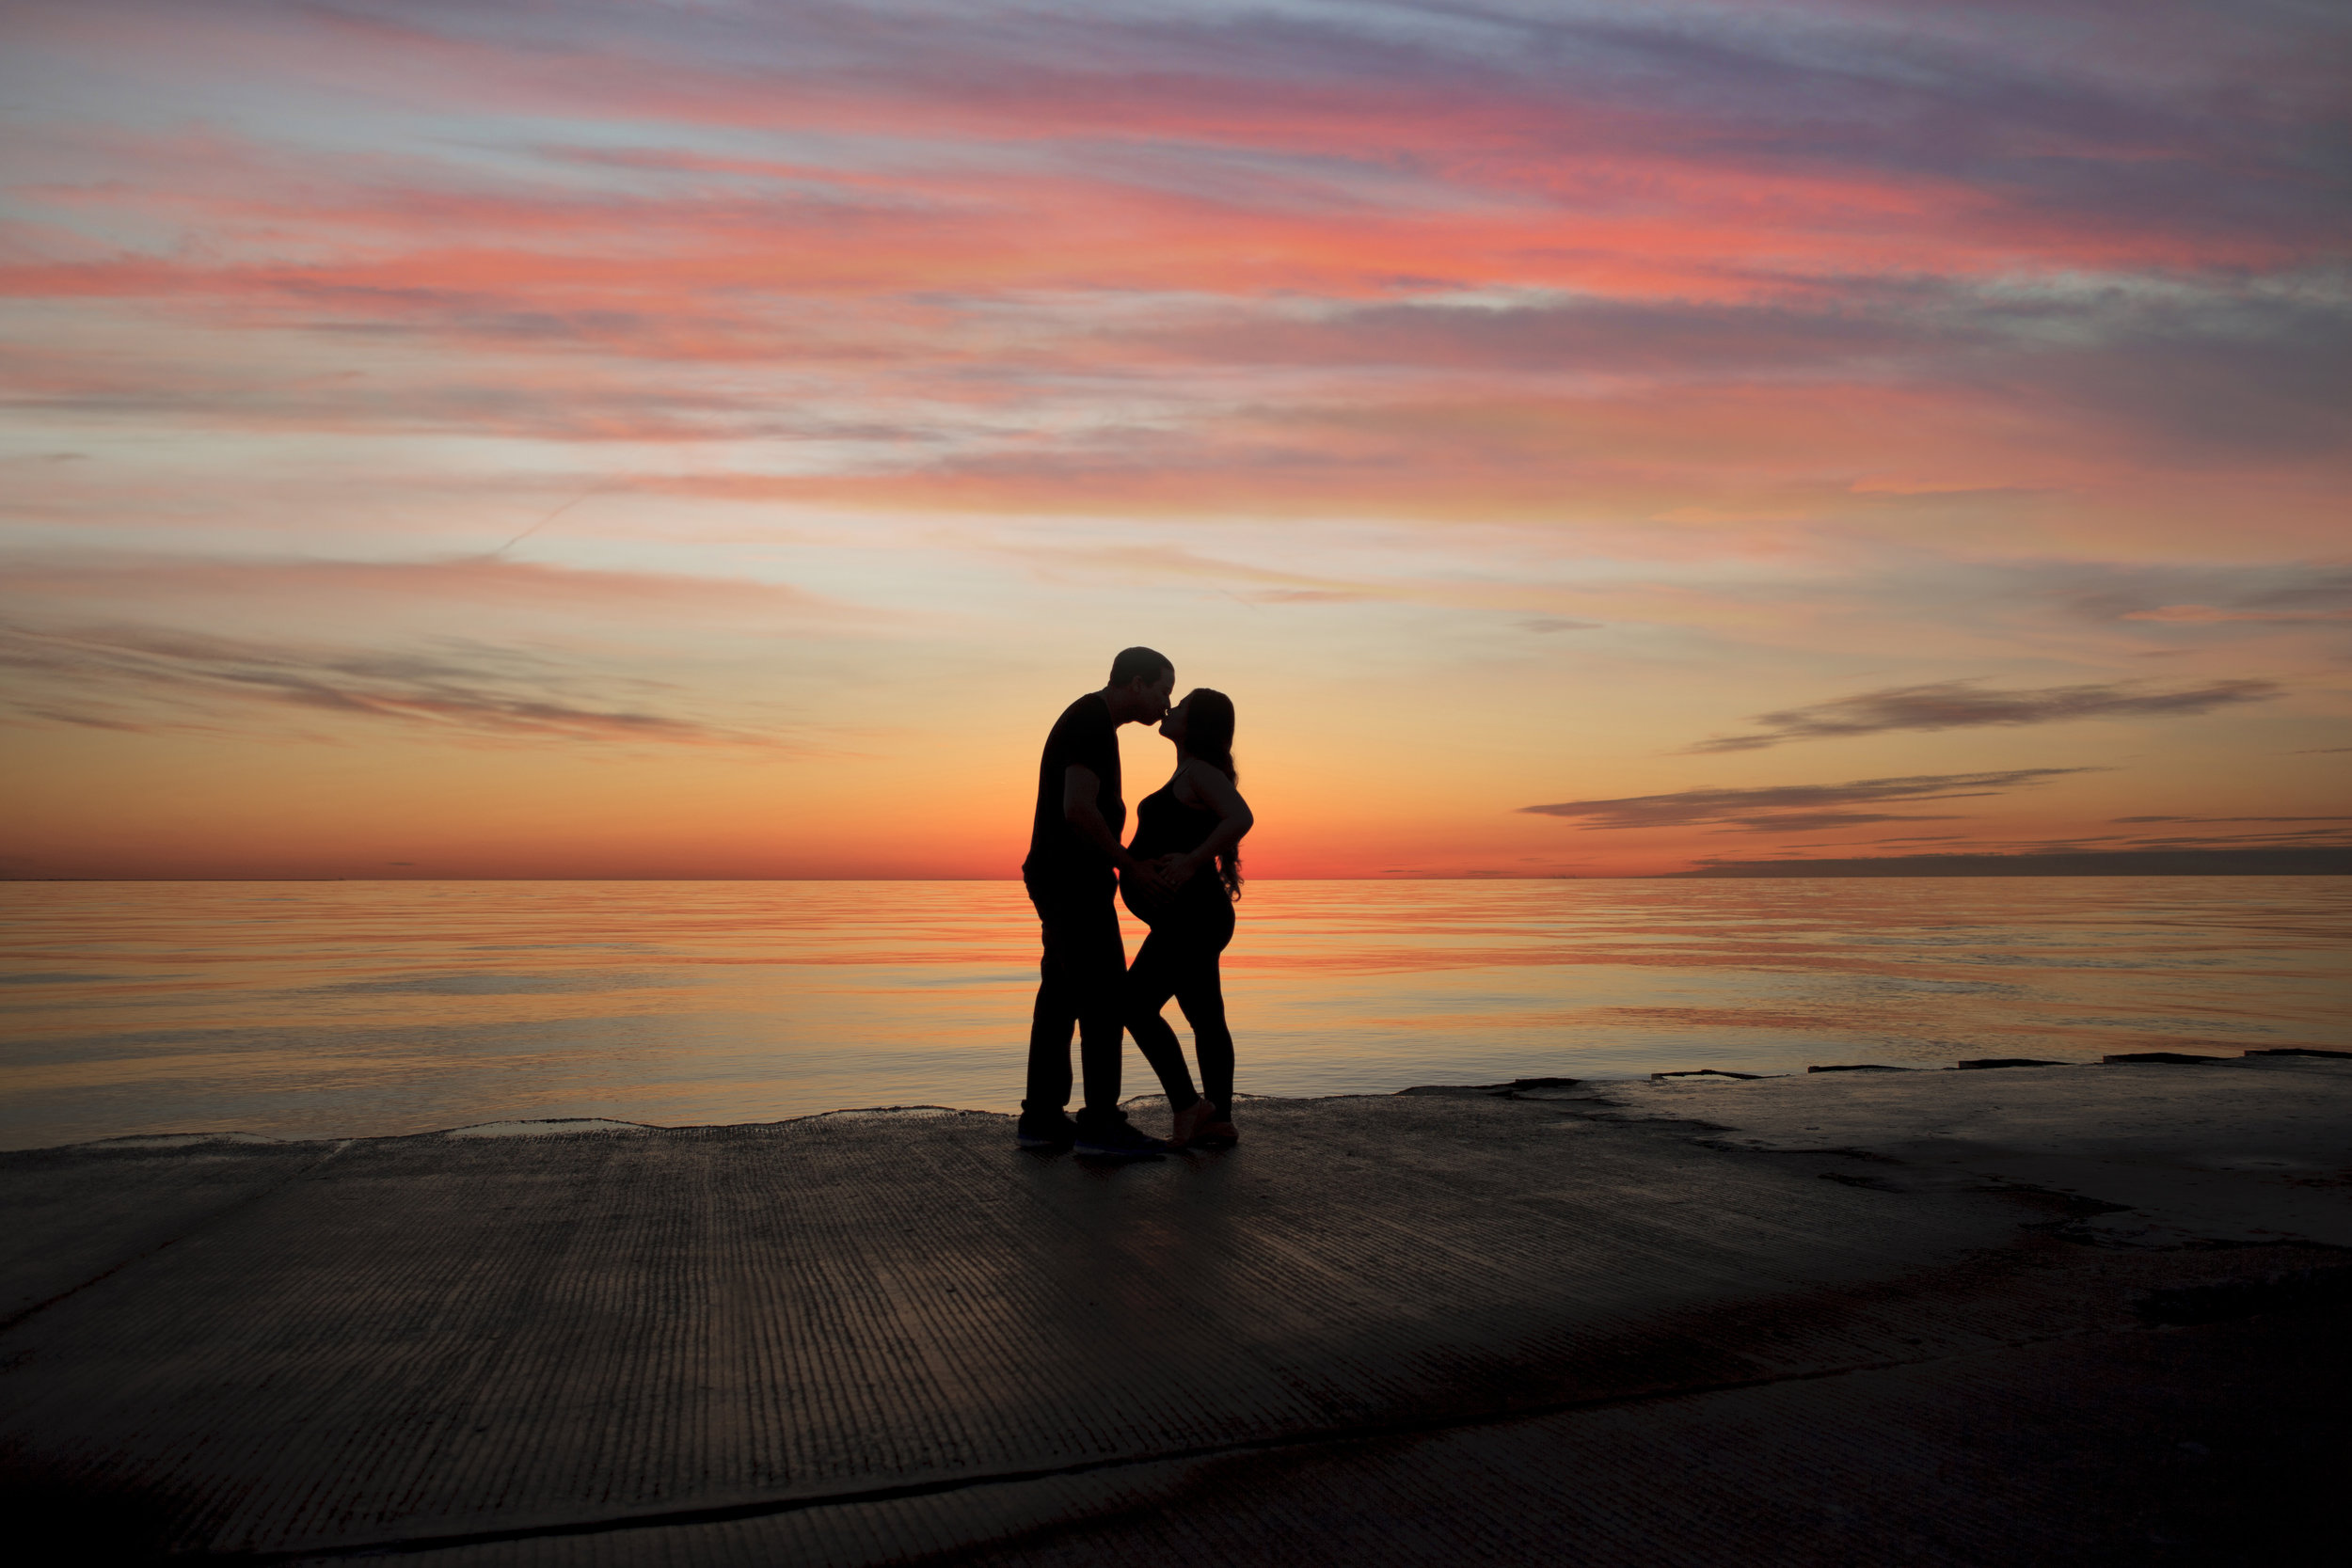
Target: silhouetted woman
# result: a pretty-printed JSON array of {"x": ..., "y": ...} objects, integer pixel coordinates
[{"x": 1191, "y": 827}]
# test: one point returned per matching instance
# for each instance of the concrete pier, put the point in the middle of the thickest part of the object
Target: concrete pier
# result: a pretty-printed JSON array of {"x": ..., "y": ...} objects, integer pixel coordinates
[{"x": 2046, "y": 1315}]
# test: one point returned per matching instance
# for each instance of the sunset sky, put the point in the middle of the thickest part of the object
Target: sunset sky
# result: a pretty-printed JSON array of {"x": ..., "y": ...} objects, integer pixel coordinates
[{"x": 455, "y": 437}]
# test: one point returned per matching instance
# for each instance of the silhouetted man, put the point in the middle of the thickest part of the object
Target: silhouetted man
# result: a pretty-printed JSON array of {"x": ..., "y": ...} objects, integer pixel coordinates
[{"x": 1072, "y": 872}]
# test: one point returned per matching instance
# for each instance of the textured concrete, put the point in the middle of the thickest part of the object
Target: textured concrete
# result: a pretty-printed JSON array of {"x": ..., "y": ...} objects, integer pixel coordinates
[{"x": 2036, "y": 1314}]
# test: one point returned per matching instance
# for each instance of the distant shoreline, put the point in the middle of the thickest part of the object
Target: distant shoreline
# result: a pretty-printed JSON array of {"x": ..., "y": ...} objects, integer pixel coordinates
[{"x": 2109, "y": 862}]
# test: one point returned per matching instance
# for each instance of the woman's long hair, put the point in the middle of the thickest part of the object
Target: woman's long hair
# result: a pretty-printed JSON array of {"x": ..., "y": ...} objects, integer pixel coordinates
[{"x": 1209, "y": 736}]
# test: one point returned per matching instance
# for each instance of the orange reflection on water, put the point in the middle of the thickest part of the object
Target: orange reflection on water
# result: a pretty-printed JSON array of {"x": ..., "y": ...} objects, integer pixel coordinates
[{"x": 341, "y": 1008}]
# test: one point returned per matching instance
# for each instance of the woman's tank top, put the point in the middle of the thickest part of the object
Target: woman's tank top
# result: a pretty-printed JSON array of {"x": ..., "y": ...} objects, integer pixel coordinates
[{"x": 1166, "y": 825}]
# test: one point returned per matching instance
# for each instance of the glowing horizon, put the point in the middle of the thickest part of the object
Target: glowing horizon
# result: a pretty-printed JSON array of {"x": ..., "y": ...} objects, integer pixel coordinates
[{"x": 1585, "y": 439}]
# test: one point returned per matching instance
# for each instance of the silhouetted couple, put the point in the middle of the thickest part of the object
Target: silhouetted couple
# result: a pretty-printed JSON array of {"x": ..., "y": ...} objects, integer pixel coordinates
[{"x": 1180, "y": 876}]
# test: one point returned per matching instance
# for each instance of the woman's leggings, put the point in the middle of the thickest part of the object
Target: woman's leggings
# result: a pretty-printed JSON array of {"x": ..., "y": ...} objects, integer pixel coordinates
[{"x": 1179, "y": 960}]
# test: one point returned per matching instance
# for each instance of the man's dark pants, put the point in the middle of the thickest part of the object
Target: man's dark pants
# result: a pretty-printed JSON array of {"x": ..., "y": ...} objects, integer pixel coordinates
[{"x": 1084, "y": 968}]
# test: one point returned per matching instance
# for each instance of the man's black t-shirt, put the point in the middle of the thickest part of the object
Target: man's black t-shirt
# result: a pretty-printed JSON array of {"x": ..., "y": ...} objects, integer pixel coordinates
[{"x": 1083, "y": 737}]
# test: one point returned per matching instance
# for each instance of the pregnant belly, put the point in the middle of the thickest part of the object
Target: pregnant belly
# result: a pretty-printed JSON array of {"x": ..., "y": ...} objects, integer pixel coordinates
[{"x": 1201, "y": 901}]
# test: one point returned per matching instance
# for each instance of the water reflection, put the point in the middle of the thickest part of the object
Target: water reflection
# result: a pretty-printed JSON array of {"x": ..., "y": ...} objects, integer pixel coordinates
[{"x": 355, "y": 1008}]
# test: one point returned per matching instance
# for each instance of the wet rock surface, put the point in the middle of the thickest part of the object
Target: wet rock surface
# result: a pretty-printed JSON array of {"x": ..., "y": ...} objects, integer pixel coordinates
[
  {"x": 2244, "y": 1152},
  {"x": 2082, "y": 1314}
]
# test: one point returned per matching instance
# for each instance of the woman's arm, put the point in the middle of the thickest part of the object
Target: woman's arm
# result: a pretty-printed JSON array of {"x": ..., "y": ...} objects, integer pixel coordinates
[{"x": 1212, "y": 786}]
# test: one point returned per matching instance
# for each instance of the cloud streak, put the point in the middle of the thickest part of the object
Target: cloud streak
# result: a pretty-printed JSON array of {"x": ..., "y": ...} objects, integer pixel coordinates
[
  {"x": 492, "y": 581},
  {"x": 1965, "y": 704},
  {"x": 1777, "y": 808},
  {"x": 155, "y": 680}
]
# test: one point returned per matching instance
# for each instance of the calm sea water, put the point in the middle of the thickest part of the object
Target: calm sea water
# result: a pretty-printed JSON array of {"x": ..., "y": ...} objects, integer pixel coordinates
[{"x": 360, "y": 1008}]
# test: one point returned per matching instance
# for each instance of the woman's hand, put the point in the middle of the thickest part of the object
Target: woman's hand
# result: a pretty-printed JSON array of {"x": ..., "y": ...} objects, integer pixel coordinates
[
  {"x": 1177, "y": 869},
  {"x": 1147, "y": 885},
  {"x": 1147, "y": 878}
]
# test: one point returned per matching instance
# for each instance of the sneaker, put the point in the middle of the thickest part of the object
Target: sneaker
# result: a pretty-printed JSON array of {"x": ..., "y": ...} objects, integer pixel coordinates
[
  {"x": 1045, "y": 1130},
  {"x": 1112, "y": 1137}
]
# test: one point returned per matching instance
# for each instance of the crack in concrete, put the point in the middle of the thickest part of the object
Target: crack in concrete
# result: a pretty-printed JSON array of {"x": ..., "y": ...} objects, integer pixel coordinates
[{"x": 237, "y": 1206}]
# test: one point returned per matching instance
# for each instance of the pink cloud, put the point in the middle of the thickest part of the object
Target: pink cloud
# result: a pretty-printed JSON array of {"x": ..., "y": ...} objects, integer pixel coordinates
[{"x": 488, "y": 581}]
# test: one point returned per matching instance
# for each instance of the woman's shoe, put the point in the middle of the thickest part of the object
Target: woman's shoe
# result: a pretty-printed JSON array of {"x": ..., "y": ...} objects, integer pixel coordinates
[
  {"x": 1215, "y": 1130},
  {"x": 1188, "y": 1123}
]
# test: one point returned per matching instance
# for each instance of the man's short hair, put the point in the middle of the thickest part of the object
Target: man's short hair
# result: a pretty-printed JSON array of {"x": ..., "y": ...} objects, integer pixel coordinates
[{"x": 1140, "y": 664}]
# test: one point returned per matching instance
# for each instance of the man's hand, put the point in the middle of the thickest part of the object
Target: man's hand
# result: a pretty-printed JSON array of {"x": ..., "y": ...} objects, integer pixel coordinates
[{"x": 1146, "y": 880}]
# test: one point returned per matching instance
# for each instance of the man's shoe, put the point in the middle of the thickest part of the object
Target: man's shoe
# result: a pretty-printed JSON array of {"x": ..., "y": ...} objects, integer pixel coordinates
[
  {"x": 1112, "y": 1137},
  {"x": 1045, "y": 1130}
]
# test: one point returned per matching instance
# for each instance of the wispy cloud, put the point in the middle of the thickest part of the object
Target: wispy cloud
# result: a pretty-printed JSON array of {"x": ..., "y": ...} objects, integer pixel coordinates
[
  {"x": 1781, "y": 808},
  {"x": 149, "y": 679},
  {"x": 491, "y": 579},
  {"x": 1965, "y": 704},
  {"x": 2341, "y": 818},
  {"x": 2320, "y": 597},
  {"x": 2153, "y": 595}
]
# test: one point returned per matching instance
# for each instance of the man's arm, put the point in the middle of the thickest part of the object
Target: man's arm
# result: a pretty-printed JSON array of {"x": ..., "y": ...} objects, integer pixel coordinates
[{"x": 1079, "y": 787}]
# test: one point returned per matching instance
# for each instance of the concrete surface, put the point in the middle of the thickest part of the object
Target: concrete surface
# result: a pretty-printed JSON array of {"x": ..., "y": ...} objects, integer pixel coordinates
[{"x": 2084, "y": 1314}]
